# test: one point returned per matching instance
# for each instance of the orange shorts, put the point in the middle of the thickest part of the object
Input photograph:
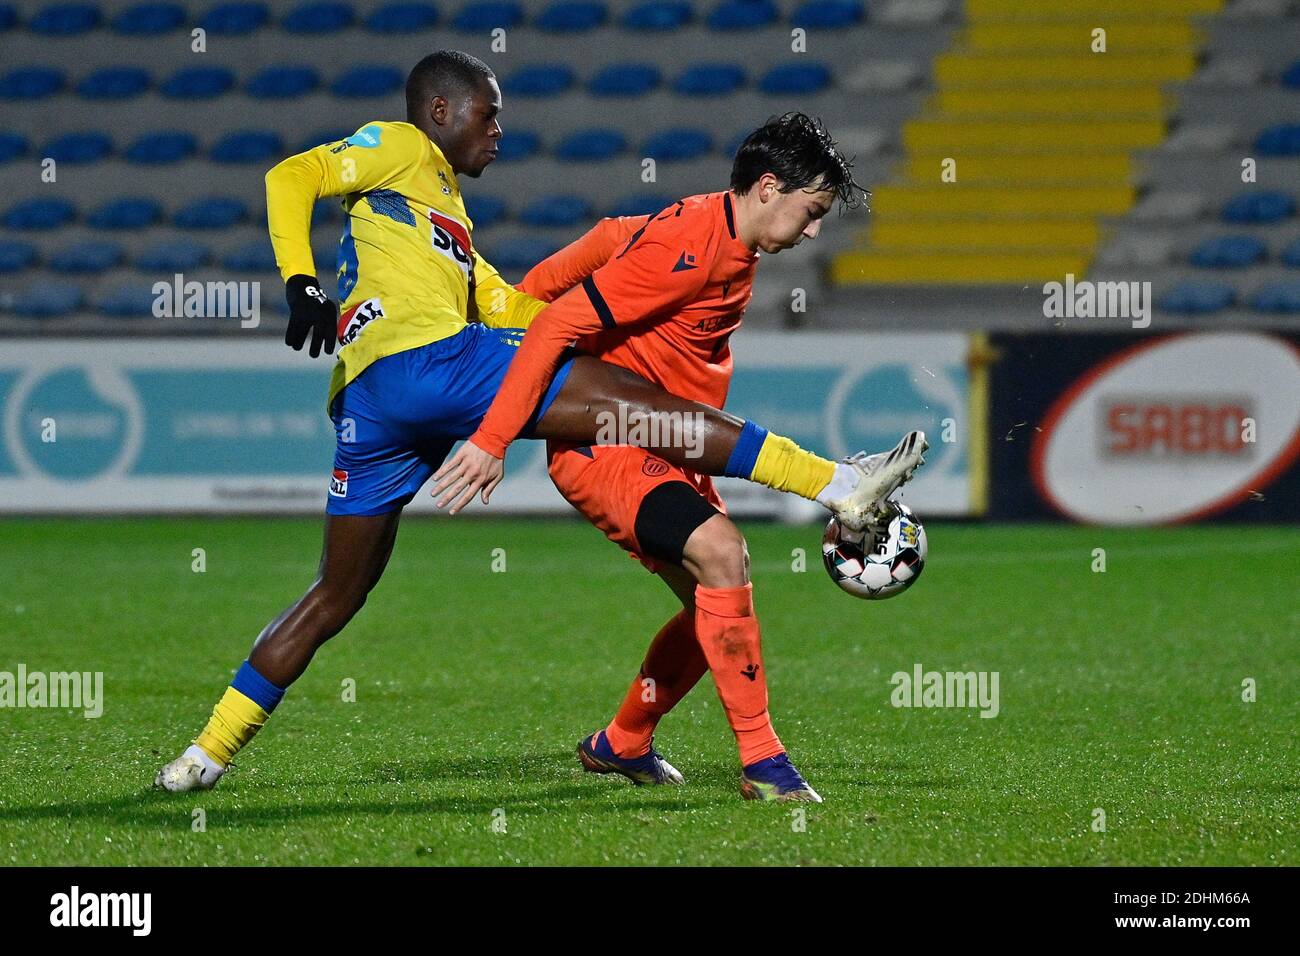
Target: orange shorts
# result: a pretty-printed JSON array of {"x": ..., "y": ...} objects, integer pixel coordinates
[{"x": 607, "y": 484}]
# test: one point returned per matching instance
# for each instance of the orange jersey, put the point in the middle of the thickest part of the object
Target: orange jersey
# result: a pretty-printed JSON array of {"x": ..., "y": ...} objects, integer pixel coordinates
[{"x": 657, "y": 295}]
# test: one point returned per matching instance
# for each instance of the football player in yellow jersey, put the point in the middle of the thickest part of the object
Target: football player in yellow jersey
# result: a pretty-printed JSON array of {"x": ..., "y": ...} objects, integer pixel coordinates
[{"x": 426, "y": 333}]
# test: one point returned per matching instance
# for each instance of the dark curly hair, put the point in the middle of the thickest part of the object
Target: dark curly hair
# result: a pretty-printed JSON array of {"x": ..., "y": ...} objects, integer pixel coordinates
[{"x": 799, "y": 151}]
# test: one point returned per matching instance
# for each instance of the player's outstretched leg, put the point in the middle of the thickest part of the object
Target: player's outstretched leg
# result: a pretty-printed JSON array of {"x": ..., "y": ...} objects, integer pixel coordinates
[
  {"x": 708, "y": 441},
  {"x": 355, "y": 553}
]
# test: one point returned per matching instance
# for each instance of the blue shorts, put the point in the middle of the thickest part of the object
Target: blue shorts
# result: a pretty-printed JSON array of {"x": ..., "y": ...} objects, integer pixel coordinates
[{"x": 396, "y": 422}]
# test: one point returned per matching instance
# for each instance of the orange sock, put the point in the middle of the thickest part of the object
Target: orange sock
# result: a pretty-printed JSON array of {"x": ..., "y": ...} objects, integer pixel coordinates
[
  {"x": 673, "y": 665},
  {"x": 728, "y": 633}
]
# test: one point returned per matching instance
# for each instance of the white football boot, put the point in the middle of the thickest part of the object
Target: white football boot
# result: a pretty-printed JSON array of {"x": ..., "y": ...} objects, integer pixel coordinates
[
  {"x": 857, "y": 493},
  {"x": 192, "y": 770}
]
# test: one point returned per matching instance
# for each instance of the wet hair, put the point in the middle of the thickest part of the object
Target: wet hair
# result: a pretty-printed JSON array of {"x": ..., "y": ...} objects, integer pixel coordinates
[
  {"x": 797, "y": 150},
  {"x": 450, "y": 74}
]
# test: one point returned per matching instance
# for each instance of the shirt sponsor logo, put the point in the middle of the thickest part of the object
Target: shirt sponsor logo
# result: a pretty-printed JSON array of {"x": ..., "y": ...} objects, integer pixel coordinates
[
  {"x": 357, "y": 318},
  {"x": 450, "y": 238},
  {"x": 339, "y": 483}
]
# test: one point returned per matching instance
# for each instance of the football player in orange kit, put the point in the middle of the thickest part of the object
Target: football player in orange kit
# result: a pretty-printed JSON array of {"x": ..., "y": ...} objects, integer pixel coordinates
[{"x": 661, "y": 296}]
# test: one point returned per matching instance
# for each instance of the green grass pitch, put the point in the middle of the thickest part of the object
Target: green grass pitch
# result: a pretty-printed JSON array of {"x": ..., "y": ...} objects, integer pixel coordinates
[{"x": 1119, "y": 690}]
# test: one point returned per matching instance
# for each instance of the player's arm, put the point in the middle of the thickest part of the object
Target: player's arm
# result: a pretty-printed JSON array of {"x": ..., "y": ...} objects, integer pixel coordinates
[
  {"x": 501, "y": 305},
  {"x": 557, "y": 274},
  {"x": 377, "y": 156}
]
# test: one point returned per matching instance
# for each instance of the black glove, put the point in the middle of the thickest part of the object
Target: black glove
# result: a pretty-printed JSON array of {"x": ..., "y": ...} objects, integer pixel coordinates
[{"x": 310, "y": 310}]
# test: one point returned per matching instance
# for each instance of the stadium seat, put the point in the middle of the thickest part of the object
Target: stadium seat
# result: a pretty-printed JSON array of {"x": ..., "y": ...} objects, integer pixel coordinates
[
  {"x": 127, "y": 212},
  {"x": 159, "y": 149},
  {"x": 1291, "y": 254},
  {"x": 1228, "y": 252},
  {"x": 16, "y": 255},
  {"x": 318, "y": 17},
  {"x": 658, "y": 15},
  {"x": 518, "y": 144},
  {"x": 78, "y": 148},
  {"x": 47, "y": 300},
  {"x": 795, "y": 79},
  {"x": 520, "y": 253},
  {"x": 212, "y": 212},
  {"x": 1291, "y": 76},
  {"x": 149, "y": 19},
  {"x": 541, "y": 79},
  {"x": 625, "y": 79},
  {"x": 235, "y": 19},
  {"x": 827, "y": 14},
  {"x": 1195, "y": 296},
  {"x": 114, "y": 83},
  {"x": 38, "y": 214},
  {"x": 326, "y": 211},
  {"x": 1259, "y": 207},
  {"x": 1282, "y": 296},
  {"x": 742, "y": 15},
  {"x": 556, "y": 211},
  {"x": 197, "y": 83},
  {"x": 677, "y": 144},
  {"x": 590, "y": 145},
  {"x": 363, "y": 81},
  {"x": 639, "y": 204},
  {"x": 65, "y": 19},
  {"x": 88, "y": 256},
  {"x": 485, "y": 17},
  {"x": 732, "y": 146},
  {"x": 173, "y": 255},
  {"x": 8, "y": 17},
  {"x": 132, "y": 301},
  {"x": 247, "y": 146},
  {"x": 485, "y": 211},
  {"x": 256, "y": 256},
  {"x": 1280, "y": 140},
  {"x": 402, "y": 18},
  {"x": 709, "y": 79},
  {"x": 282, "y": 82},
  {"x": 31, "y": 83},
  {"x": 571, "y": 16},
  {"x": 12, "y": 146}
]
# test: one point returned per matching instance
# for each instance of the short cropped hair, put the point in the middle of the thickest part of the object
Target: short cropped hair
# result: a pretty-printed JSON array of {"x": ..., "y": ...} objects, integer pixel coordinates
[{"x": 797, "y": 150}]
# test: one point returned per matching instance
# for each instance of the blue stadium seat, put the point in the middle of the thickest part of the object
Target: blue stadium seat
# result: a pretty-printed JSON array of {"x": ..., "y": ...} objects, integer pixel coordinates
[
  {"x": 742, "y": 15},
  {"x": 540, "y": 79},
  {"x": 88, "y": 256},
  {"x": 555, "y": 211},
  {"x": 1282, "y": 296},
  {"x": 1291, "y": 254},
  {"x": 402, "y": 18},
  {"x": 318, "y": 17},
  {"x": 658, "y": 15},
  {"x": 38, "y": 214},
  {"x": 12, "y": 146},
  {"x": 368, "y": 81},
  {"x": 160, "y": 149},
  {"x": 16, "y": 255},
  {"x": 571, "y": 16},
  {"x": 1259, "y": 207},
  {"x": 485, "y": 17},
  {"x": 732, "y": 146},
  {"x": 65, "y": 19},
  {"x": 521, "y": 253},
  {"x": 1291, "y": 76},
  {"x": 282, "y": 82},
  {"x": 1280, "y": 140},
  {"x": 172, "y": 256},
  {"x": 114, "y": 83},
  {"x": 485, "y": 211},
  {"x": 31, "y": 83},
  {"x": 78, "y": 147},
  {"x": 795, "y": 79},
  {"x": 256, "y": 256},
  {"x": 1197, "y": 297},
  {"x": 827, "y": 14},
  {"x": 320, "y": 137},
  {"x": 625, "y": 79},
  {"x": 590, "y": 145},
  {"x": 247, "y": 146},
  {"x": 710, "y": 79},
  {"x": 134, "y": 301},
  {"x": 8, "y": 17},
  {"x": 326, "y": 210},
  {"x": 211, "y": 212},
  {"x": 639, "y": 204},
  {"x": 518, "y": 144},
  {"x": 197, "y": 83},
  {"x": 677, "y": 144},
  {"x": 1228, "y": 252},
  {"x": 127, "y": 212},
  {"x": 47, "y": 300},
  {"x": 235, "y": 19},
  {"x": 149, "y": 19}
]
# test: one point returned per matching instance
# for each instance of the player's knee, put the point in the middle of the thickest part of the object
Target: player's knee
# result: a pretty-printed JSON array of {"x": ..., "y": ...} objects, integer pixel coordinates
[
  {"x": 716, "y": 554},
  {"x": 334, "y": 607}
]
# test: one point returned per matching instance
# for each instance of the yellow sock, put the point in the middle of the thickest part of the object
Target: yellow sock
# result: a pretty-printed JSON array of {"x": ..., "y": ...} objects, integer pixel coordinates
[
  {"x": 785, "y": 466},
  {"x": 233, "y": 723}
]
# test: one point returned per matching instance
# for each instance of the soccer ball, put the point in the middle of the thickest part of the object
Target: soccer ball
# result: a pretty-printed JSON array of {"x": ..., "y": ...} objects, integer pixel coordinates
[{"x": 881, "y": 561}]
